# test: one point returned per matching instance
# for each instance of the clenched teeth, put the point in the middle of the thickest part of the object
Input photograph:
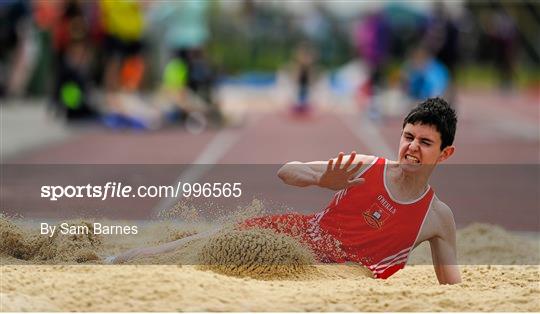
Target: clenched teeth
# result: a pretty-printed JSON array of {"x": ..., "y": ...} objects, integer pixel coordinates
[{"x": 412, "y": 158}]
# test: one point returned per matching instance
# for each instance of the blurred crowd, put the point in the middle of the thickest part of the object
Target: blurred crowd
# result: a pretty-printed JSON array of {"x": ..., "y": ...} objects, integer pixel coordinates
[
  {"x": 96, "y": 59},
  {"x": 93, "y": 58}
]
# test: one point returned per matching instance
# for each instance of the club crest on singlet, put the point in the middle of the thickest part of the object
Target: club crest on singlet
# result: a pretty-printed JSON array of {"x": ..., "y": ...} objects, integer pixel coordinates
[{"x": 378, "y": 213}]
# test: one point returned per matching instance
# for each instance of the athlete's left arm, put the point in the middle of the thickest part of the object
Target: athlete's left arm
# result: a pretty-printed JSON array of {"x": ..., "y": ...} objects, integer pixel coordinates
[{"x": 443, "y": 246}]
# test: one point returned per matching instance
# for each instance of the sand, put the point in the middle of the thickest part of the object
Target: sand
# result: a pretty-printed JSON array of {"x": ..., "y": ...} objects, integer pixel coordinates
[
  {"x": 24, "y": 245},
  {"x": 507, "y": 284}
]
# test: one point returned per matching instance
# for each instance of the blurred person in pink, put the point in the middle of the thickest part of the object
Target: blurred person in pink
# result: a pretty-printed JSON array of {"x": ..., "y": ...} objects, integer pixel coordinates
[{"x": 372, "y": 38}]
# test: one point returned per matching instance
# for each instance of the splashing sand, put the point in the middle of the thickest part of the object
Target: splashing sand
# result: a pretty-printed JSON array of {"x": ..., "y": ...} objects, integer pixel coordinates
[
  {"x": 256, "y": 253},
  {"x": 60, "y": 248},
  {"x": 186, "y": 212},
  {"x": 16, "y": 242}
]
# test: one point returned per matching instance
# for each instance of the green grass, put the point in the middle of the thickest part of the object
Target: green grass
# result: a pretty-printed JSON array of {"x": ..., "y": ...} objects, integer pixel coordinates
[{"x": 484, "y": 76}]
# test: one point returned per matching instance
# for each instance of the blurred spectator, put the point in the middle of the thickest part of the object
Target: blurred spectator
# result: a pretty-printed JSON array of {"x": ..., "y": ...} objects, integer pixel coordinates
[
  {"x": 18, "y": 52},
  {"x": 500, "y": 43},
  {"x": 73, "y": 56},
  {"x": 252, "y": 27},
  {"x": 426, "y": 77},
  {"x": 304, "y": 64},
  {"x": 442, "y": 38},
  {"x": 316, "y": 26},
  {"x": 186, "y": 32},
  {"x": 123, "y": 25},
  {"x": 407, "y": 26},
  {"x": 372, "y": 37}
]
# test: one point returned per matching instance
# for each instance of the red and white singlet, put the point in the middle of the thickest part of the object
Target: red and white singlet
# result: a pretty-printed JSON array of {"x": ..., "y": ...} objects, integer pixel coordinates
[{"x": 373, "y": 228}]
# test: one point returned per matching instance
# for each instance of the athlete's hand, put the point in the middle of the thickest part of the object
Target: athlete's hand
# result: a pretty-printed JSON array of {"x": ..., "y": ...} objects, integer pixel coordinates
[{"x": 338, "y": 176}]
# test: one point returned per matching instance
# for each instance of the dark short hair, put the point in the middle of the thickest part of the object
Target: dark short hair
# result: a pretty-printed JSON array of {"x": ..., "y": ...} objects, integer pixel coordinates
[{"x": 436, "y": 112}]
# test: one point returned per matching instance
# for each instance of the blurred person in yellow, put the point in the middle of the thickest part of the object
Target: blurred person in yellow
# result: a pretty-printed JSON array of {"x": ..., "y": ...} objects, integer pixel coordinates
[{"x": 123, "y": 25}]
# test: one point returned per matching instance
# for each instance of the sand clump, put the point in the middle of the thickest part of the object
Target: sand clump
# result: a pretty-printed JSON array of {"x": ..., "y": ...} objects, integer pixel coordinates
[
  {"x": 16, "y": 242},
  {"x": 77, "y": 248},
  {"x": 256, "y": 253},
  {"x": 23, "y": 245}
]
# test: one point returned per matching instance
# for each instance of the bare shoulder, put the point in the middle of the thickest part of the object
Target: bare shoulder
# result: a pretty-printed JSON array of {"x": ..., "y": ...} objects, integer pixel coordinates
[
  {"x": 442, "y": 217},
  {"x": 441, "y": 209},
  {"x": 439, "y": 222}
]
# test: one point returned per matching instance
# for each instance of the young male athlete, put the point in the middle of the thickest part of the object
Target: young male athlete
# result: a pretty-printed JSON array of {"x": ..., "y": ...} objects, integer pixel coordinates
[{"x": 383, "y": 209}]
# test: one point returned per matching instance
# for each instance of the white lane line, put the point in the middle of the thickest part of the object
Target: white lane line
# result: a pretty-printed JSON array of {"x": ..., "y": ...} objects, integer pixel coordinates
[
  {"x": 368, "y": 133},
  {"x": 212, "y": 153},
  {"x": 207, "y": 159}
]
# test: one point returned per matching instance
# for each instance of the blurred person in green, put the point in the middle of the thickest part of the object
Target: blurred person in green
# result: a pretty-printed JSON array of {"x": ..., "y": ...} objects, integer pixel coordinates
[
  {"x": 72, "y": 43},
  {"x": 186, "y": 33}
]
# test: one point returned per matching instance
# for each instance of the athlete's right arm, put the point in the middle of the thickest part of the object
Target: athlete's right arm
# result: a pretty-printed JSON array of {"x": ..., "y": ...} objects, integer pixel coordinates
[
  {"x": 333, "y": 174},
  {"x": 443, "y": 246}
]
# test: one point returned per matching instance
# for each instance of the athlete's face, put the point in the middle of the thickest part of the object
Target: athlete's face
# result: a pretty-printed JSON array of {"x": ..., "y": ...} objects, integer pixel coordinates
[{"x": 420, "y": 147}]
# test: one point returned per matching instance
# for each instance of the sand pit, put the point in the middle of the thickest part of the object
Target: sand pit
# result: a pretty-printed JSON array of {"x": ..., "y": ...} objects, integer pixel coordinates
[{"x": 507, "y": 284}]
